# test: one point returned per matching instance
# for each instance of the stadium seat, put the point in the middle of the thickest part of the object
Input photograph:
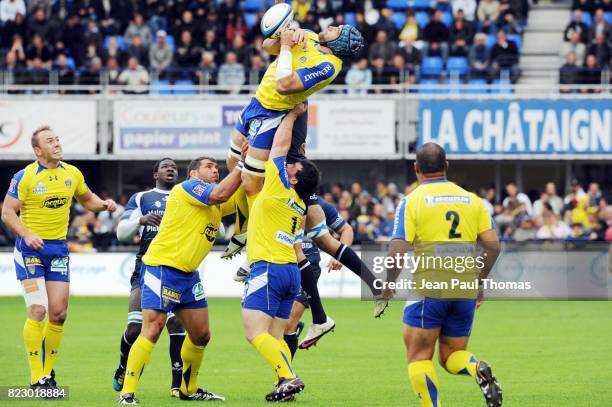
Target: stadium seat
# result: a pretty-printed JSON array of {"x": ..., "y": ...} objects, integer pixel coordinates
[
  {"x": 421, "y": 4},
  {"x": 120, "y": 42},
  {"x": 458, "y": 65},
  {"x": 184, "y": 87},
  {"x": 432, "y": 66},
  {"x": 430, "y": 86},
  {"x": 476, "y": 86},
  {"x": 250, "y": 19},
  {"x": 454, "y": 86},
  {"x": 70, "y": 63},
  {"x": 501, "y": 87},
  {"x": 161, "y": 87},
  {"x": 587, "y": 19},
  {"x": 421, "y": 18},
  {"x": 170, "y": 41},
  {"x": 517, "y": 40},
  {"x": 397, "y": 4},
  {"x": 608, "y": 17},
  {"x": 447, "y": 18},
  {"x": 399, "y": 20},
  {"x": 349, "y": 18},
  {"x": 491, "y": 40},
  {"x": 253, "y": 5}
]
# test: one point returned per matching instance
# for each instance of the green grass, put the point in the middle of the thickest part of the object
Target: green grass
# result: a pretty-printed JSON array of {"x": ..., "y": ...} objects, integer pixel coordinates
[{"x": 544, "y": 354}]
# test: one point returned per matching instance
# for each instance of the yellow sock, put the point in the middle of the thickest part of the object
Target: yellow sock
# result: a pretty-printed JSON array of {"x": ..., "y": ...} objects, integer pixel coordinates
[
  {"x": 462, "y": 362},
  {"x": 192, "y": 356},
  {"x": 137, "y": 360},
  {"x": 286, "y": 349},
  {"x": 52, "y": 337},
  {"x": 32, "y": 339},
  {"x": 271, "y": 350},
  {"x": 424, "y": 382},
  {"x": 242, "y": 211}
]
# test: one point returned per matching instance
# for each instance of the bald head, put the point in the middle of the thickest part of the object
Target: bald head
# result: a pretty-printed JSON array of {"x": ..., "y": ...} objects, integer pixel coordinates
[{"x": 431, "y": 158}]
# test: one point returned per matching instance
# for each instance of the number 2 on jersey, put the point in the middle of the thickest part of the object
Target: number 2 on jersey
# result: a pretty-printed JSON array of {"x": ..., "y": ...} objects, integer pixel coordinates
[{"x": 454, "y": 216}]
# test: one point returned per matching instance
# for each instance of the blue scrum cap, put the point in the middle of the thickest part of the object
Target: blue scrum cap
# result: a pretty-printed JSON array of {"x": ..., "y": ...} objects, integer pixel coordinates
[{"x": 348, "y": 44}]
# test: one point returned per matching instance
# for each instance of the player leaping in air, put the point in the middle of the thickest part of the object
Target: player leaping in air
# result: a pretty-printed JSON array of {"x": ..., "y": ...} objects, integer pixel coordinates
[
  {"x": 143, "y": 215},
  {"x": 306, "y": 63}
]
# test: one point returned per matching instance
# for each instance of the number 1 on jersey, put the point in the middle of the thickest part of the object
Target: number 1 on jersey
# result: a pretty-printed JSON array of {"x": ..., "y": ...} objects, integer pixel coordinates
[{"x": 454, "y": 216}]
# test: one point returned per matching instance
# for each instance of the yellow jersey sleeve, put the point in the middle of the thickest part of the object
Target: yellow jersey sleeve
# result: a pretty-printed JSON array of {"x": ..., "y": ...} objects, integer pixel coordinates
[
  {"x": 228, "y": 207},
  {"x": 197, "y": 191},
  {"x": 18, "y": 187},
  {"x": 404, "y": 223},
  {"x": 277, "y": 180},
  {"x": 81, "y": 186}
]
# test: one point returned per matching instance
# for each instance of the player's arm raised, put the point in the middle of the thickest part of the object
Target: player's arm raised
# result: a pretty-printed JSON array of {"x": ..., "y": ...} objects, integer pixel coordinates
[
  {"x": 287, "y": 80},
  {"x": 223, "y": 191},
  {"x": 94, "y": 203},
  {"x": 273, "y": 45},
  {"x": 10, "y": 217},
  {"x": 282, "y": 138}
]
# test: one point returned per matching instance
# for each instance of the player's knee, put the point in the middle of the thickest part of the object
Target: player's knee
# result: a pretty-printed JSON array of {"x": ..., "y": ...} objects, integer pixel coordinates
[
  {"x": 173, "y": 325},
  {"x": 37, "y": 312},
  {"x": 200, "y": 338},
  {"x": 59, "y": 316},
  {"x": 132, "y": 331}
]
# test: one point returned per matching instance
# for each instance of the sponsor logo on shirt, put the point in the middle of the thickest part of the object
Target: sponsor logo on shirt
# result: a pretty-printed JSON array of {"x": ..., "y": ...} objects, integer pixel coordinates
[
  {"x": 323, "y": 72},
  {"x": 13, "y": 186},
  {"x": 284, "y": 238},
  {"x": 446, "y": 199},
  {"x": 198, "y": 190},
  {"x": 295, "y": 206},
  {"x": 171, "y": 295},
  {"x": 54, "y": 202},
  {"x": 254, "y": 126},
  {"x": 198, "y": 291},
  {"x": 210, "y": 231},
  {"x": 59, "y": 265},
  {"x": 40, "y": 188},
  {"x": 33, "y": 261}
]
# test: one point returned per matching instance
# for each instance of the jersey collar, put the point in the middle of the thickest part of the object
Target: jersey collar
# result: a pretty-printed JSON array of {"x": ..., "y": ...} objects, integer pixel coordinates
[
  {"x": 161, "y": 191},
  {"x": 42, "y": 167},
  {"x": 434, "y": 181}
]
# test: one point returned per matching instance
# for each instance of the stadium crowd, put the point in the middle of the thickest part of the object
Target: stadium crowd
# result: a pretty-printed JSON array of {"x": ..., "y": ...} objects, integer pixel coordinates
[
  {"x": 140, "y": 42},
  {"x": 587, "y": 46},
  {"x": 579, "y": 215}
]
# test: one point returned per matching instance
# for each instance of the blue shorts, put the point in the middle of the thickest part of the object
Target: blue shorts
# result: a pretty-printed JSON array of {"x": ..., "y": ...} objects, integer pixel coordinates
[
  {"x": 167, "y": 289},
  {"x": 259, "y": 124},
  {"x": 454, "y": 317},
  {"x": 272, "y": 288},
  {"x": 51, "y": 262}
]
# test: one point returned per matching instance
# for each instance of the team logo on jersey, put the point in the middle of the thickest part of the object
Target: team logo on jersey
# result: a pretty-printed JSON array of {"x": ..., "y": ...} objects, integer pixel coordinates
[
  {"x": 198, "y": 190},
  {"x": 54, "y": 202},
  {"x": 302, "y": 60},
  {"x": 40, "y": 188},
  {"x": 169, "y": 294},
  {"x": 68, "y": 183},
  {"x": 59, "y": 265},
  {"x": 198, "y": 291},
  {"x": 210, "y": 231},
  {"x": 158, "y": 204},
  {"x": 254, "y": 126}
]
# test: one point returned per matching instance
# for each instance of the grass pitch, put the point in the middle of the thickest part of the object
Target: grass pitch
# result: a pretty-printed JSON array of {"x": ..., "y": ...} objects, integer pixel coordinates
[{"x": 543, "y": 353}]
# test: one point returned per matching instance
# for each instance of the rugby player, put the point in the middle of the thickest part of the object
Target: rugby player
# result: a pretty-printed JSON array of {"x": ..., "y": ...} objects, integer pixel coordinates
[
  {"x": 41, "y": 194},
  {"x": 321, "y": 323},
  {"x": 169, "y": 277},
  {"x": 439, "y": 212},
  {"x": 143, "y": 215},
  {"x": 274, "y": 280}
]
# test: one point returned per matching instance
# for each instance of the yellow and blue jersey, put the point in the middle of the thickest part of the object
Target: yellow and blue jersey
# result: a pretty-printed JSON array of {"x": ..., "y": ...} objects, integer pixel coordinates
[
  {"x": 189, "y": 227},
  {"x": 275, "y": 218},
  {"x": 315, "y": 68},
  {"x": 47, "y": 194}
]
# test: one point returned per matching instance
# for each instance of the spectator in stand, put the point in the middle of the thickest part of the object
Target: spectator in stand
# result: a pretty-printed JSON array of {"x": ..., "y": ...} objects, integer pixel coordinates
[
  {"x": 577, "y": 25},
  {"x": 186, "y": 23},
  {"x": 231, "y": 73},
  {"x": 461, "y": 29},
  {"x": 382, "y": 48},
  {"x": 207, "y": 69},
  {"x": 11, "y": 28},
  {"x": 574, "y": 46},
  {"x": 359, "y": 77},
  {"x": 576, "y": 189},
  {"x": 479, "y": 56},
  {"x": 410, "y": 31},
  {"x": 301, "y": 8},
  {"x": 40, "y": 25},
  {"x": 113, "y": 70},
  {"x": 510, "y": 25},
  {"x": 412, "y": 55},
  {"x": 525, "y": 230},
  {"x": 239, "y": 47},
  {"x": 65, "y": 74},
  {"x": 591, "y": 74},
  {"x": 601, "y": 50},
  {"x": 488, "y": 13},
  {"x": 437, "y": 36},
  {"x": 586, "y": 6},
  {"x": 38, "y": 50},
  {"x": 600, "y": 25},
  {"x": 113, "y": 51},
  {"x": 212, "y": 45},
  {"x": 554, "y": 200},
  {"x": 212, "y": 22},
  {"x": 364, "y": 28},
  {"x": 139, "y": 51},
  {"x": 504, "y": 57},
  {"x": 10, "y": 8},
  {"x": 187, "y": 54},
  {"x": 258, "y": 68},
  {"x": 363, "y": 205},
  {"x": 553, "y": 227},
  {"x": 135, "y": 76},
  {"x": 386, "y": 24},
  {"x": 380, "y": 74},
  {"x": 398, "y": 71},
  {"x": 236, "y": 27},
  {"x": 466, "y": 7},
  {"x": 160, "y": 54},
  {"x": 138, "y": 27},
  {"x": 516, "y": 197},
  {"x": 92, "y": 34},
  {"x": 18, "y": 49},
  {"x": 72, "y": 36},
  {"x": 91, "y": 76}
]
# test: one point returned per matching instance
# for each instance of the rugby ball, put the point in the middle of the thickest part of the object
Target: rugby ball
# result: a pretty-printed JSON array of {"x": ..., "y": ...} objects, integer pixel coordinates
[{"x": 278, "y": 17}]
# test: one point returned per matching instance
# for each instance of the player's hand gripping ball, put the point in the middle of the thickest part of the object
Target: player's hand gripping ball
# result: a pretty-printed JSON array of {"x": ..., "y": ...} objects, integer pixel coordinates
[{"x": 277, "y": 18}]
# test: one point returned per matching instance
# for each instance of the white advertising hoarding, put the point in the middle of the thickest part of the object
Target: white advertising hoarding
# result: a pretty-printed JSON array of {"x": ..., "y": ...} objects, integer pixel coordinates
[{"x": 75, "y": 122}]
